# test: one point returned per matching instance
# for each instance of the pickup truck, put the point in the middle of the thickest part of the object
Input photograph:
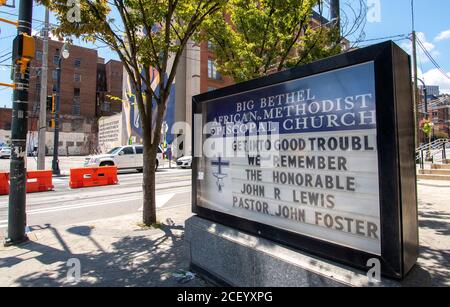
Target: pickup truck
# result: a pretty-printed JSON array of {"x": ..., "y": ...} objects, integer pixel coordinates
[{"x": 124, "y": 157}]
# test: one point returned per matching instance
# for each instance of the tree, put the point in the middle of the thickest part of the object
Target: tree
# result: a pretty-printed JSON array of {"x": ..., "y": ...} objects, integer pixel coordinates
[
  {"x": 252, "y": 38},
  {"x": 145, "y": 34}
]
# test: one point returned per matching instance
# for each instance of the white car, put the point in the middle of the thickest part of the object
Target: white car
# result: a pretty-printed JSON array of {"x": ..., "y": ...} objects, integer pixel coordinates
[
  {"x": 124, "y": 157},
  {"x": 184, "y": 162},
  {"x": 5, "y": 152}
]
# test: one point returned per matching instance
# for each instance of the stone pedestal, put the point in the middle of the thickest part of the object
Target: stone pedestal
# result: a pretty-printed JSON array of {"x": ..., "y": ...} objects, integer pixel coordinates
[{"x": 234, "y": 258}]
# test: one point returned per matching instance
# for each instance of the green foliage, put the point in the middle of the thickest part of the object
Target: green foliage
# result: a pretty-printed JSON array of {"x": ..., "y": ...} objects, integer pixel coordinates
[
  {"x": 427, "y": 128},
  {"x": 146, "y": 35},
  {"x": 252, "y": 38}
]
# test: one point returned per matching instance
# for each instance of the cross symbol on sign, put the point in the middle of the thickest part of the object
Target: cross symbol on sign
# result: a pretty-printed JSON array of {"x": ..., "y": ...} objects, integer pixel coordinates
[
  {"x": 219, "y": 175},
  {"x": 220, "y": 163}
]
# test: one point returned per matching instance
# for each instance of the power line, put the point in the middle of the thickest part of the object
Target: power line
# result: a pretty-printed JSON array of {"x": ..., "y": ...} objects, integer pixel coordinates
[
  {"x": 6, "y": 54},
  {"x": 15, "y": 15},
  {"x": 421, "y": 45},
  {"x": 403, "y": 36},
  {"x": 7, "y": 59}
]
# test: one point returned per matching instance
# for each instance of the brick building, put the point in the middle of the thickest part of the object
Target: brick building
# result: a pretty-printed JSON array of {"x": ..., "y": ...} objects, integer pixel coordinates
[
  {"x": 210, "y": 78},
  {"x": 78, "y": 86},
  {"x": 109, "y": 84},
  {"x": 86, "y": 84},
  {"x": 438, "y": 114},
  {"x": 5, "y": 118}
]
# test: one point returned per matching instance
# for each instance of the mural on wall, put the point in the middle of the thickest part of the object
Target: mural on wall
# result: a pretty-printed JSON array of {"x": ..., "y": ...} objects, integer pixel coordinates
[{"x": 130, "y": 114}]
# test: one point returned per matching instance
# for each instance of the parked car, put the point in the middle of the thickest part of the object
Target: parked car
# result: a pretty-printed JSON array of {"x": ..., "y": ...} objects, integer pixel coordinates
[
  {"x": 184, "y": 162},
  {"x": 124, "y": 157},
  {"x": 5, "y": 152}
]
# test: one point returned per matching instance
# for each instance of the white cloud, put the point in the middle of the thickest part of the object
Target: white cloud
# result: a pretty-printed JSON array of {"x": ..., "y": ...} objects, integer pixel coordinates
[
  {"x": 431, "y": 48},
  {"x": 442, "y": 36},
  {"x": 435, "y": 77}
]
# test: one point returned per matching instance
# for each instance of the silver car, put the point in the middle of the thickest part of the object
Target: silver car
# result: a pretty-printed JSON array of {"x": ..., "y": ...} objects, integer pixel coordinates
[
  {"x": 184, "y": 162},
  {"x": 5, "y": 152}
]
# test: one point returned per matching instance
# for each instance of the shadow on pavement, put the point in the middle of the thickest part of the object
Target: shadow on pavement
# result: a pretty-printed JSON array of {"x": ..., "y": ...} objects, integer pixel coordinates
[
  {"x": 437, "y": 258},
  {"x": 131, "y": 261}
]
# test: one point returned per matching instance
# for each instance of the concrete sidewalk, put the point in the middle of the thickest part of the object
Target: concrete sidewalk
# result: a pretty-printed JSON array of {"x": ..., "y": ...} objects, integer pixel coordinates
[
  {"x": 117, "y": 252},
  {"x": 112, "y": 252}
]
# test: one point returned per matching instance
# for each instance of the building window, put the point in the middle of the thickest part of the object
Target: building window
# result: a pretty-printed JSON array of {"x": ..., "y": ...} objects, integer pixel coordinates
[
  {"x": 210, "y": 88},
  {"x": 56, "y": 59},
  {"x": 55, "y": 88},
  {"x": 77, "y": 63},
  {"x": 212, "y": 71},
  {"x": 39, "y": 55},
  {"x": 77, "y": 77},
  {"x": 55, "y": 75},
  {"x": 76, "y": 92},
  {"x": 76, "y": 107},
  {"x": 38, "y": 72},
  {"x": 38, "y": 87},
  {"x": 106, "y": 106},
  {"x": 210, "y": 45}
]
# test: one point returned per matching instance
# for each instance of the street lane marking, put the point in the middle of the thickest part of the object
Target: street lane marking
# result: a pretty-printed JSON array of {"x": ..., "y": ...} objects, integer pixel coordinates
[
  {"x": 78, "y": 206},
  {"x": 161, "y": 200}
]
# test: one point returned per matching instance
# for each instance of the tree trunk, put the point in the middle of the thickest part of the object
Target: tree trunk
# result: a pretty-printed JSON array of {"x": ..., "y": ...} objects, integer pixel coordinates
[{"x": 148, "y": 184}]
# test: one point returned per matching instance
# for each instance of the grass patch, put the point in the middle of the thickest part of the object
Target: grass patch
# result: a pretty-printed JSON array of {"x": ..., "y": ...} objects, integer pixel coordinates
[{"x": 156, "y": 225}]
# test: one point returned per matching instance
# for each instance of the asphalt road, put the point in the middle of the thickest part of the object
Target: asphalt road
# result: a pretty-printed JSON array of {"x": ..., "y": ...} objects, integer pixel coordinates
[{"x": 65, "y": 206}]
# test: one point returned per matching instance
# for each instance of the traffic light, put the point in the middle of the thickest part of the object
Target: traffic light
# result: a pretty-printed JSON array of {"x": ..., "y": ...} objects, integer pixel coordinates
[
  {"x": 3, "y": 2},
  {"x": 23, "y": 50},
  {"x": 51, "y": 103},
  {"x": 51, "y": 123}
]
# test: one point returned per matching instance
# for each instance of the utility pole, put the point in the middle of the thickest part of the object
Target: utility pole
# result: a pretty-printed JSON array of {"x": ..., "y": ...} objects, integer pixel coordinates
[
  {"x": 415, "y": 85},
  {"x": 23, "y": 51},
  {"x": 335, "y": 15},
  {"x": 55, "y": 161},
  {"x": 43, "y": 96}
]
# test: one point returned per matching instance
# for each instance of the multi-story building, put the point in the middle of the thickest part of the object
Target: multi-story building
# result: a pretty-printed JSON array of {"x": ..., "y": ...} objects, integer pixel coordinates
[
  {"x": 109, "y": 87},
  {"x": 210, "y": 78},
  {"x": 77, "y": 87},
  {"x": 439, "y": 114},
  {"x": 86, "y": 87},
  {"x": 432, "y": 90}
]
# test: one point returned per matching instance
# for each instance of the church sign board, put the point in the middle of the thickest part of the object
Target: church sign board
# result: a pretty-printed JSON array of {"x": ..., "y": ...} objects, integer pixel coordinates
[{"x": 318, "y": 157}]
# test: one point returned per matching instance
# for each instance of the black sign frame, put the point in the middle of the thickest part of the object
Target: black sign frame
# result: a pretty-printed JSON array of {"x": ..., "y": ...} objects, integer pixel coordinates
[{"x": 396, "y": 160}]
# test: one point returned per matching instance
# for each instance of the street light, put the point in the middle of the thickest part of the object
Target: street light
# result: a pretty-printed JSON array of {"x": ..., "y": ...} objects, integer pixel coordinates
[
  {"x": 63, "y": 53},
  {"x": 425, "y": 97}
]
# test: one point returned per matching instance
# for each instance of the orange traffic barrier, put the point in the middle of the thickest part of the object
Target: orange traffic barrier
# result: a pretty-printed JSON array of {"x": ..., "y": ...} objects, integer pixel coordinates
[
  {"x": 93, "y": 176},
  {"x": 39, "y": 181},
  {"x": 4, "y": 183}
]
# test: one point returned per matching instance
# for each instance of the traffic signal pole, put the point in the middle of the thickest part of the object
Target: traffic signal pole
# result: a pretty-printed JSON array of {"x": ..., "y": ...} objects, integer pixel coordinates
[{"x": 19, "y": 129}]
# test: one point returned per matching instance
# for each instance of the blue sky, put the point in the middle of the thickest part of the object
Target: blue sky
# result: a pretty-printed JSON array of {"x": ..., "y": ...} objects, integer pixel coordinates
[{"x": 431, "y": 17}]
